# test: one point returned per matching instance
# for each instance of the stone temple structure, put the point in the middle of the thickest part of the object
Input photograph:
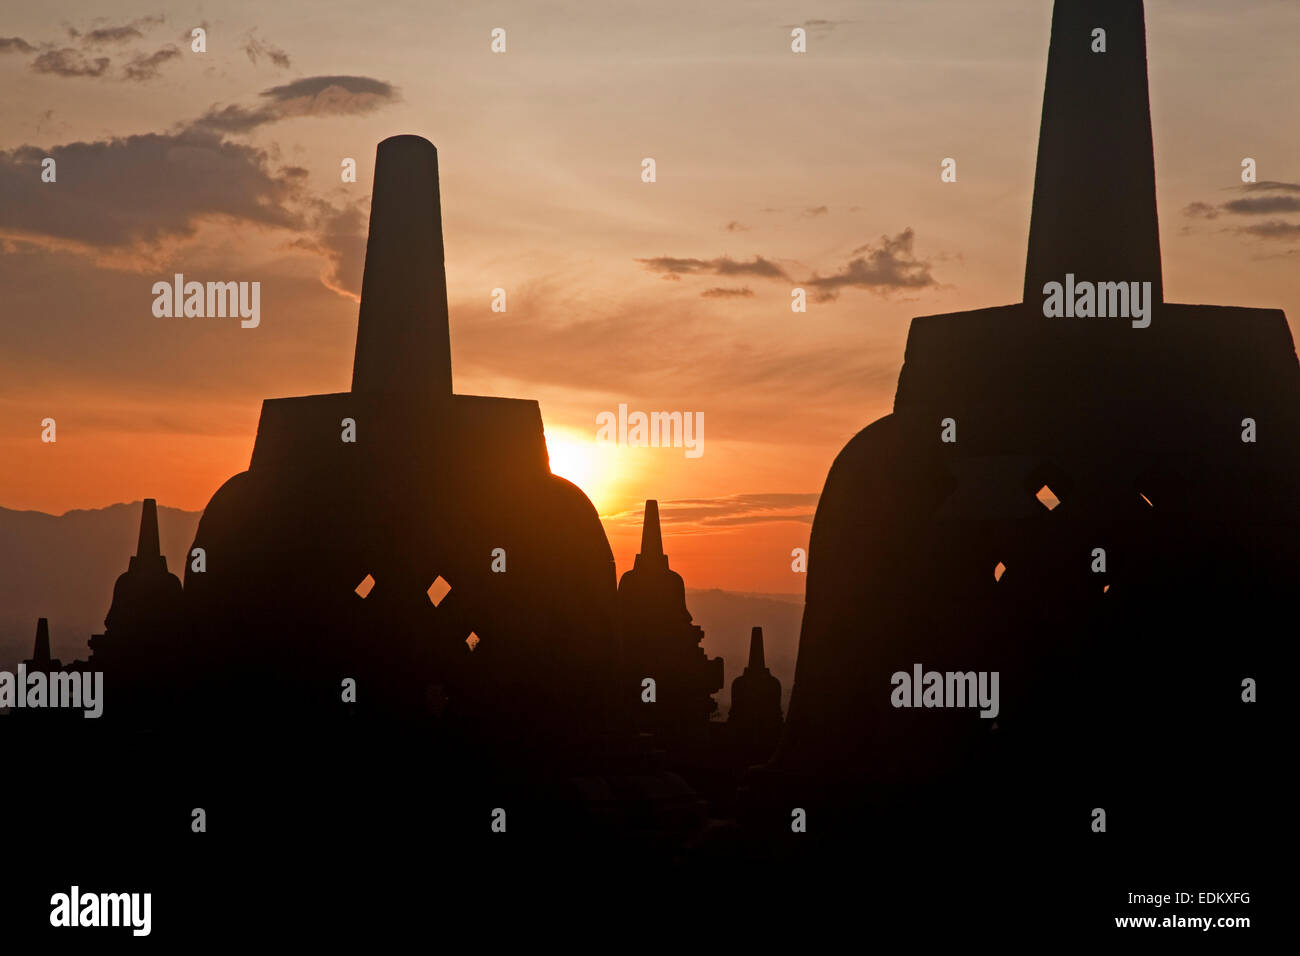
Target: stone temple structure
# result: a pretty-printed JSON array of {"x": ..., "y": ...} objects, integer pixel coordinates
[
  {"x": 406, "y": 538},
  {"x": 41, "y": 659},
  {"x": 754, "y": 720},
  {"x": 1105, "y": 515},
  {"x": 659, "y": 641},
  {"x": 144, "y": 617}
]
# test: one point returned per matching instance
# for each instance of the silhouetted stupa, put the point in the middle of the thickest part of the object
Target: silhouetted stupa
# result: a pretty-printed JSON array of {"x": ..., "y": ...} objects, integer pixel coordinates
[
  {"x": 1102, "y": 513},
  {"x": 143, "y": 620},
  {"x": 660, "y": 642},
  {"x": 755, "y": 716},
  {"x": 405, "y": 537},
  {"x": 40, "y": 659}
]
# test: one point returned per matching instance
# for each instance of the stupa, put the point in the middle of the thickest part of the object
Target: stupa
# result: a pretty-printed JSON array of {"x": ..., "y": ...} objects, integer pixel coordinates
[
  {"x": 406, "y": 538},
  {"x": 754, "y": 719},
  {"x": 660, "y": 643},
  {"x": 1103, "y": 513}
]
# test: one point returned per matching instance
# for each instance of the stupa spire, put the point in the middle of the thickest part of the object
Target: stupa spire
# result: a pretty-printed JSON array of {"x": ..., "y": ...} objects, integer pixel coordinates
[
  {"x": 147, "y": 546},
  {"x": 756, "y": 658},
  {"x": 652, "y": 543},
  {"x": 1094, "y": 211},
  {"x": 403, "y": 342},
  {"x": 41, "y": 652}
]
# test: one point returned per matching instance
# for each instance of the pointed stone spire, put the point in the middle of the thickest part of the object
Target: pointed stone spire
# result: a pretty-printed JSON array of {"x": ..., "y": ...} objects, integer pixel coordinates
[
  {"x": 757, "y": 661},
  {"x": 403, "y": 343},
  {"x": 148, "y": 543},
  {"x": 148, "y": 554},
  {"x": 41, "y": 653},
  {"x": 652, "y": 544},
  {"x": 755, "y": 717},
  {"x": 652, "y": 541},
  {"x": 1094, "y": 212}
]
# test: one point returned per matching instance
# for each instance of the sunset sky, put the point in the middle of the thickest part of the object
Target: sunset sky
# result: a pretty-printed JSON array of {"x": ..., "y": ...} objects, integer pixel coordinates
[{"x": 774, "y": 170}]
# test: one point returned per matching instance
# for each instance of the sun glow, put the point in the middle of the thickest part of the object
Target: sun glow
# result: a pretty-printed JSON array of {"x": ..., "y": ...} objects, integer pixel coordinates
[{"x": 578, "y": 457}]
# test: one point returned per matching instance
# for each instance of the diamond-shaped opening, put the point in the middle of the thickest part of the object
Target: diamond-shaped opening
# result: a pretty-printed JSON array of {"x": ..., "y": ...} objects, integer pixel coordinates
[
  {"x": 1105, "y": 588},
  {"x": 1047, "y": 498},
  {"x": 366, "y": 584},
  {"x": 998, "y": 571},
  {"x": 472, "y": 640},
  {"x": 438, "y": 590}
]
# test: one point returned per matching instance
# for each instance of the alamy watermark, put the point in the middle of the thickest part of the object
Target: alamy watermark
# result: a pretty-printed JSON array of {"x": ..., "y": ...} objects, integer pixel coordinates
[
  {"x": 654, "y": 430},
  {"x": 102, "y": 909},
  {"x": 946, "y": 689},
  {"x": 181, "y": 299},
  {"x": 1123, "y": 300},
  {"x": 72, "y": 689}
]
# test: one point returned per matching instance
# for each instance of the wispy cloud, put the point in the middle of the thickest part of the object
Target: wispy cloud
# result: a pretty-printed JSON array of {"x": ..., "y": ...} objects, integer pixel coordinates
[
  {"x": 1273, "y": 229},
  {"x": 886, "y": 267},
  {"x": 309, "y": 96},
  {"x": 103, "y": 36},
  {"x": 256, "y": 48},
  {"x": 145, "y": 67},
  {"x": 729, "y": 511},
  {"x": 1262, "y": 205},
  {"x": 721, "y": 266},
  {"x": 15, "y": 45},
  {"x": 1279, "y": 197},
  {"x": 69, "y": 62}
]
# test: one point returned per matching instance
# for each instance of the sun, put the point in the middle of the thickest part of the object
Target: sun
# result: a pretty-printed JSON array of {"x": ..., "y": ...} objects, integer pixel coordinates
[{"x": 579, "y": 458}]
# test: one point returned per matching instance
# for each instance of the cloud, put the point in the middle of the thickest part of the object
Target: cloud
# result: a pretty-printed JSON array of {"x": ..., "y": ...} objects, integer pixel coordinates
[
  {"x": 1253, "y": 205},
  {"x": 889, "y": 267},
  {"x": 1273, "y": 229},
  {"x": 256, "y": 48},
  {"x": 131, "y": 194},
  {"x": 69, "y": 62},
  {"x": 339, "y": 237},
  {"x": 72, "y": 62},
  {"x": 310, "y": 96},
  {"x": 721, "y": 293},
  {"x": 108, "y": 35},
  {"x": 755, "y": 384},
  {"x": 734, "y": 226},
  {"x": 142, "y": 67},
  {"x": 1263, "y": 204},
  {"x": 729, "y": 511},
  {"x": 721, "y": 266},
  {"x": 1270, "y": 185},
  {"x": 141, "y": 189},
  {"x": 127, "y": 31},
  {"x": 813, "y": 211}
]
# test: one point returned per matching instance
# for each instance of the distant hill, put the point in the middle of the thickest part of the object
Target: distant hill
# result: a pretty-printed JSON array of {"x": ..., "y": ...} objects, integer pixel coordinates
[{"x": 63, "y": 567}]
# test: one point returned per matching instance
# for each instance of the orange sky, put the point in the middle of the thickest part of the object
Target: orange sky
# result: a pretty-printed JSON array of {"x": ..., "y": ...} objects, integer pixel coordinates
[{"x": 774, "y": 170}]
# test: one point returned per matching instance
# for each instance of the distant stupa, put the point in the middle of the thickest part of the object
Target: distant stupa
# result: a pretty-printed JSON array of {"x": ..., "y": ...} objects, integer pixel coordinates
[
  {"x": 1103, "y": 514},
  {"x": 40, "y": 659},
  {"x": 141, "y": 629},
  {"x": 660, "y": 643},
  {"x": 404, "y": 537},
  {"x": 755, "y": 716}
]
